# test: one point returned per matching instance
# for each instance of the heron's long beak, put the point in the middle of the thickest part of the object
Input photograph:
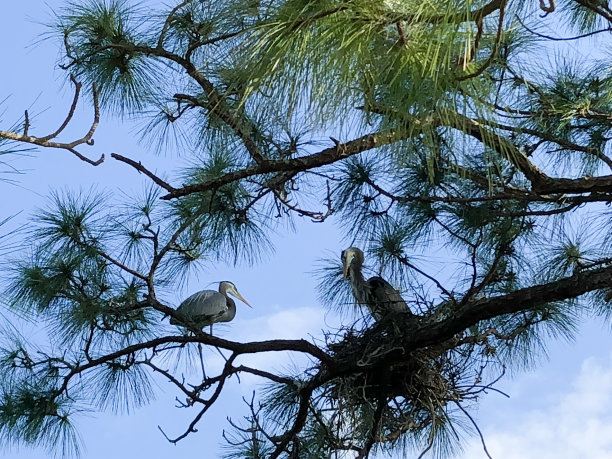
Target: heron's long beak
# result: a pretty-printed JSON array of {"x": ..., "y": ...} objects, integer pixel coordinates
[
  {"x": 241, "y": 298},
  {"x": 347, "y": 263}
]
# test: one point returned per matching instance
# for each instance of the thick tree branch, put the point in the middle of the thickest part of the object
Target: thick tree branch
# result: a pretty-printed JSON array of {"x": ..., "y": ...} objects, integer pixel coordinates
[
  {"x": 295, "y": 165},
  {"x": 517, "y": 301},
  {"x": 541, "y": 182},
  {"x": 300, "y": 345}
]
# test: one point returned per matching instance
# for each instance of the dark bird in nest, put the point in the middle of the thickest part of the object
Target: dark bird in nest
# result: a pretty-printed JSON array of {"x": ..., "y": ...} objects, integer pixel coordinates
[{"x": 376, "y": 293}]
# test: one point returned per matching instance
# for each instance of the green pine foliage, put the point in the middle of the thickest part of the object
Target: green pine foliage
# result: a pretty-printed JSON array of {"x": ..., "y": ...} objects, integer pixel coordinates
[{"x": 427, "y": 131}]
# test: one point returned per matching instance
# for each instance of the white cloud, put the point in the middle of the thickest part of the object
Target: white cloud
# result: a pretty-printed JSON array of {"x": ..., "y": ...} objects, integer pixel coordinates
[
  {"x": 576, "y": 424},
  {"x": 291, "y": 323},
  {"x": 294, "y": 323}
]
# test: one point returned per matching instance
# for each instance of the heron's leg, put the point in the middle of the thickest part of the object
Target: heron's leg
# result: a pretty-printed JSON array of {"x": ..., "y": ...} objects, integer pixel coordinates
[{"x": 201, "y": 360}]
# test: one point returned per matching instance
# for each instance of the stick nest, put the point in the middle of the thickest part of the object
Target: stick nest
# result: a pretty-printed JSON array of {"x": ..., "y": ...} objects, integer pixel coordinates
[{"x": 413, "y": 387}]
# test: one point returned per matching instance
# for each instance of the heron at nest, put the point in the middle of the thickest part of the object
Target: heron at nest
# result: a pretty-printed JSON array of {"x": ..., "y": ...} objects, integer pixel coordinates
[{"x": 376, "y": 293}]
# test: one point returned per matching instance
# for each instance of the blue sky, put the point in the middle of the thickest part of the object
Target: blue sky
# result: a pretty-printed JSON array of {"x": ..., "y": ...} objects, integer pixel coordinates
[{"x": 560, "y": 409}]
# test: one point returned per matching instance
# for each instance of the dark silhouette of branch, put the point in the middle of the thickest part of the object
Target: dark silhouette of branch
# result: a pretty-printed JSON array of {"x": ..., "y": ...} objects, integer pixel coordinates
[
  {"x": 207, "y": 403},
  {"x": 168, "y": 21},
  {"x": 140, "y": 168},
  {"x": 482, "y": 440},
  {"x": 295, "y": 165},
  {"x": 549, "y": 37},
  {"x": 600, "y": 8},
  {"x": 298, "y": 425}
]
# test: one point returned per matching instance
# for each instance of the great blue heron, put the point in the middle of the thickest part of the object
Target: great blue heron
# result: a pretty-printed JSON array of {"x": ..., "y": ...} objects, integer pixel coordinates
[
  {"x": 209, "y": 307},
  {"x": 376, "y": 293}
]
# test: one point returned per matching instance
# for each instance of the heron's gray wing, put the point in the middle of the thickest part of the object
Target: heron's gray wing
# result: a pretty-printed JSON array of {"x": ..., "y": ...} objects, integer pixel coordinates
[
  {"x": 202, "y": 306},
  {"x": 385, "y": 297}
]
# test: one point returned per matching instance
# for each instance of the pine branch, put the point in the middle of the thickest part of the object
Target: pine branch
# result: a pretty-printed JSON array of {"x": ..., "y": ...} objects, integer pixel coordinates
[{"x": 296, "y": 165}]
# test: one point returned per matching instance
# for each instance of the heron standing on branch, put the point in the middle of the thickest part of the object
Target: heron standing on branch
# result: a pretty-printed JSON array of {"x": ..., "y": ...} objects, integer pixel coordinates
[
  {"x": 209, "y": 307},
  {"x": 376, "y": 293}
]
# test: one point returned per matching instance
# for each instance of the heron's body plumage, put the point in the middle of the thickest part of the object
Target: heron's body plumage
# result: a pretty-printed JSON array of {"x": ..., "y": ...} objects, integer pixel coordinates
[
  {"x": 383, "y": 298},
  {"x": 208, "y": 307}
]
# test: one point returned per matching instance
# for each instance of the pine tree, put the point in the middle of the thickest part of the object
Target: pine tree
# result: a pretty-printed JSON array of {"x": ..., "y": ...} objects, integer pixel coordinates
[{"x": 422, "y": 128}]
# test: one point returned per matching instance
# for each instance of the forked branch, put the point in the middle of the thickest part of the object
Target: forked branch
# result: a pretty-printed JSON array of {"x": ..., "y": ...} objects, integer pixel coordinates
[{"x": 46, "y": 141}]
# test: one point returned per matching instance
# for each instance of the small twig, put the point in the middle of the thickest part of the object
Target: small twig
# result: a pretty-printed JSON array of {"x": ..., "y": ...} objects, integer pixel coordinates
[
  {"x": 486, "y": 388},
  {"x": 265, "y": 374},
  {"x": 164, "y": 433},
  {"x": 191, "y": 394},
  {"x": 484, "y": 445},
  {"x": 404, "y": 260},
  {"x": 75, "y": 100},
  {"x": 162, "y": 34},
  {"x": 317, "y": 217},
  {"x": 26, "y": 123},
  {"x": 429, "y": 445},
  {"x": 402, "y": 33},
  {"x": 140, "y": 168},
  {"x": 207, "y": 403},
  {"x": 498, "y": 37},
  {"x": 548, "y": 37}
]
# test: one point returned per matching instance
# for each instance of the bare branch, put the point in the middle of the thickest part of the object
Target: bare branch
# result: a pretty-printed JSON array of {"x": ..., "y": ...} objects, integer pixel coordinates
[
  {"x": 140, "y": 168},
  {"x": 207, "y": 403},
  {"x": 75, "y": 101},
  {"x": 298, "y": 425},
  {"x": 45, "y": 141},
  {"x": 549, "y": 37},
  {"x": 547, "y": 8},
  {"x": 484, "y": 445}
]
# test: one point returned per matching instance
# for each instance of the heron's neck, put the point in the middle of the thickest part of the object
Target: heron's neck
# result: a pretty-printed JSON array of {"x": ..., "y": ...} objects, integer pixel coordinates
[
  {"x": 358, "y": 284},
  {"x": 355, "y": 275}
]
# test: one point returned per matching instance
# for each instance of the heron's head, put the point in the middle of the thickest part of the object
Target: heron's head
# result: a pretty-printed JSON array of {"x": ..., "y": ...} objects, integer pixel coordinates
[
  {"x": 227, "y": 287},
  {"x": 353, "y": 256}
]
